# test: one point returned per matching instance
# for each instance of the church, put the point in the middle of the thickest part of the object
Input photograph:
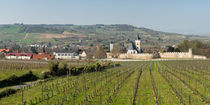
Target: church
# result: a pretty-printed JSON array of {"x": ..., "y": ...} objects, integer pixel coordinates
[
  {"x": 134, "y": 51},
  {"x": 135, "y": 47}
]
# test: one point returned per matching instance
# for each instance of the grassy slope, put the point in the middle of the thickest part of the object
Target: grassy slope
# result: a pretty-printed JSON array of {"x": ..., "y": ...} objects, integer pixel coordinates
[
  {"x": 184, "y": 90},
  {"x": 7, "y": 73},
  {"x": 118, "y": 33},
  {"x": 145, "y": 94},
  {"x": 9, "y": 29},
  {"x": 126, "y": 92},
  {"x": 166, "y": 95},
  {"x": 36, "y": 91}
]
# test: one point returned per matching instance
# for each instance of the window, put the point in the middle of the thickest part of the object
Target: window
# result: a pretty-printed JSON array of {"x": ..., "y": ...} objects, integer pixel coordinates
[
  {"x": 62, "y": 54},
  {"x": 65, "y": 54},
  {"x": 59, "y": 54}
]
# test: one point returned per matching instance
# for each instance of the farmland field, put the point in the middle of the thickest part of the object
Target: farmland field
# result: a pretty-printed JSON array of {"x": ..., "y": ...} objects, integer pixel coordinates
[{"x": 133, "y": 83}]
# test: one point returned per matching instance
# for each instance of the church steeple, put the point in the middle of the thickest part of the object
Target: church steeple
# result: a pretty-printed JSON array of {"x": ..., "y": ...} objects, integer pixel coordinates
[
  {"x": 138, "y": 43},
  {"x": 138, "y": 37}
]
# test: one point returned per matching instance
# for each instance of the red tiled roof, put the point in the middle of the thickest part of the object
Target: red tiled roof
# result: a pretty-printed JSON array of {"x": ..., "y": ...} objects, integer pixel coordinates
[
  {"x": 7, "y": 50},
  {"x": 80, "y": 52},
  {"x": 4, "y": 50},
  {"x": 1, "y": 50},
  {"x": 42, "y": 56}
]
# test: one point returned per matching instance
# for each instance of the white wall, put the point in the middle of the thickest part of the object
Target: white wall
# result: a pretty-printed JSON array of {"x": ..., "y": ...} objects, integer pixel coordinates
[
  {"x": 136, "y": 56},
  {"x": 18, "y": 57},
  {"x": 65, "y": 56},
  {"x": 175, "y": 55},
  {"x": 132, "y": 52}
]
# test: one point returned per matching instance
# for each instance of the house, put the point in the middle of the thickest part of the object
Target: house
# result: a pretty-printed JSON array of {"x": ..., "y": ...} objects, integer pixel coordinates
[
  {"x": 21, "y": 56},
  {"x": 68, "y": 55},
  {"x": 37, "y": 45},
  {"x": 42, "y": 56},
  {"x": 4, "y": 50},
  {"x": 83, "y": 55}
]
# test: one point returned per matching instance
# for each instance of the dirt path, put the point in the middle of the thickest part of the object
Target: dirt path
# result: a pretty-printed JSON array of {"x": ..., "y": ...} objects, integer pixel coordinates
[
  {"x": 26, "y": 36},
  {"x": 25, "y": 85}
]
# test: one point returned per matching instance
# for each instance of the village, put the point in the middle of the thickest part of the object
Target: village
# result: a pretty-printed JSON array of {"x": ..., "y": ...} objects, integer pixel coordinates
[
  {"x": 105, "y": 52},
  {"x": 134, "y": 51},
  {"x": 66, "y": 55}
]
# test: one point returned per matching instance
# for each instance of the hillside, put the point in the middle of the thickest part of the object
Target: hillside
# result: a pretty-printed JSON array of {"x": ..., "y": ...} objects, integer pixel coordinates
[{"x": 89, "y": 34}]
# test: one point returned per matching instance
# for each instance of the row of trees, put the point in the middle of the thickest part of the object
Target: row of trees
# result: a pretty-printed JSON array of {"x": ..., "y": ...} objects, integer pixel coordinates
[
  {"x": 198, "y": 47},
  {"x": 99, "y": 52},
  {"x": 62, "y": 68}
]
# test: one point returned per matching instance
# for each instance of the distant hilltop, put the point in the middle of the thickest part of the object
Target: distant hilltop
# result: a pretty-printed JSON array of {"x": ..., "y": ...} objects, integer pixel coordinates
[
  {"x": 60, "y": 28},
  {"x": 98, "y": 33}
]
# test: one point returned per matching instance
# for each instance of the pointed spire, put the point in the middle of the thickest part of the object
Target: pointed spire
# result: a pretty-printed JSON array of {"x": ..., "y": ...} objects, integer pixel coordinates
[{"x": 138, "y": 37}]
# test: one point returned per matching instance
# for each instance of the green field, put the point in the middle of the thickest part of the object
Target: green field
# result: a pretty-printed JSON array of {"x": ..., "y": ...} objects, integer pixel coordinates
[
  {"x": 23, "y": 34},
  {"x": 133, "y": 83},
  {"x": 18, "y": 68}
]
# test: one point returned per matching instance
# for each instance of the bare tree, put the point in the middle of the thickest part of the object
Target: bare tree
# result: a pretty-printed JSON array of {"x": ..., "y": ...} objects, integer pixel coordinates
[
  {"x": 156, "y": 54},
  {"x": 98, "y": 52},
  {"x": 117, "y": 50}
]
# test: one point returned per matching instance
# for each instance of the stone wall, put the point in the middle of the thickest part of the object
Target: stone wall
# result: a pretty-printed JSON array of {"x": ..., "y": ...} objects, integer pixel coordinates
[
  {"x": 165, "y": 55},
  {"x": 176, "y": 55},
  {"x": 136, "y": 56},
  {"x": 109, "y": 55},
  {"x": 199, "y": 57}
]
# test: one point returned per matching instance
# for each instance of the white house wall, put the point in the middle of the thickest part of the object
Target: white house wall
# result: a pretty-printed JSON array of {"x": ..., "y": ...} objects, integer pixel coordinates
[
  {"x": 68, "y": 57},
  {"x": 18, "y": 57}
]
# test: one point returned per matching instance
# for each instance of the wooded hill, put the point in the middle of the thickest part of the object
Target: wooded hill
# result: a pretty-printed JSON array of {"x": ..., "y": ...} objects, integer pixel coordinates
[{"x": 89, "y": 34}]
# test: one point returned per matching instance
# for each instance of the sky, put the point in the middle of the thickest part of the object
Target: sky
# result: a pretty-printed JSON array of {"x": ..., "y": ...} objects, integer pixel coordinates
[{"x": 179, "y": 16}]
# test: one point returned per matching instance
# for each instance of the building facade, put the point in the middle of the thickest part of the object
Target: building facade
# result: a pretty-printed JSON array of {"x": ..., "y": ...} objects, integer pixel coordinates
[
  {"x": 138, "y": 44},
  {"x": 83, "y": 55},
  {"x": 135, "y": 47},
  {"x": 66, "y": 55},
  {"x": 19, "y": 56},
  {"x": 111, "y": 45}
]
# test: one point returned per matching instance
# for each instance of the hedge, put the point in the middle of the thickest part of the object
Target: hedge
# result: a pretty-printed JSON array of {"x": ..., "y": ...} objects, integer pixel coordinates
[
  {"x": 7, "y": 92},
  {"x": 15, "y": 80},
  {"x": 61, "y": 68}
]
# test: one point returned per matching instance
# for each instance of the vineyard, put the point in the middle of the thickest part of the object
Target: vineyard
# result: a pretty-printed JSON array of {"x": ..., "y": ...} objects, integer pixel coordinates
[
  {"x": 9, "y": 68},
  {"x": 131, "y": 83}
]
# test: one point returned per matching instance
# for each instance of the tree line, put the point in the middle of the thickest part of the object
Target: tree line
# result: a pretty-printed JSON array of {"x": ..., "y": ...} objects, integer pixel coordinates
[{"x": 198, "y": 47}]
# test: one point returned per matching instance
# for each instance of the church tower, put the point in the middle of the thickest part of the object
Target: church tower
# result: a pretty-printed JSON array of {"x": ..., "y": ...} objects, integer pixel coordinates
[
  {"x": 111, "y": 45},
  {"x": 138, "y": 44}
]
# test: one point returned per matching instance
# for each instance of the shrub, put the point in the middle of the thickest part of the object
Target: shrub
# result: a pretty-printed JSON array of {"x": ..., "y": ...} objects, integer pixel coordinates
[
  {"x": 7, "y": 92},
  {"x": 29, "y": 76},
  {"x": 11, "y": 78},
  {"x": 14, "y": 80},
  {"x": 62, "y": 68},
  {"x": 53, "y": 67},
  {"x": 117, "y": 64},
  {"x": 97, "y": 67},
  {"x": 44, "y": 75}
]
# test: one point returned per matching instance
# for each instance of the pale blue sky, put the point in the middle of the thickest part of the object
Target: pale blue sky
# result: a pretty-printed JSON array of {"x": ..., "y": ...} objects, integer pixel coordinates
[{"x": 181, "y": 16}]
